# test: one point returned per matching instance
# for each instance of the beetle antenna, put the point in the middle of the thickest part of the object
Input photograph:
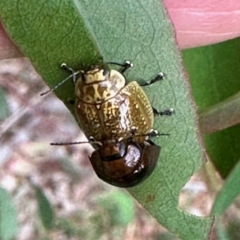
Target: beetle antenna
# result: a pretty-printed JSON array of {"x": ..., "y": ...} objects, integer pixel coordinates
[
  {"x": 67, "y": 143},
  {"x": 91, "y": 141},
  {"x": 73, "y": 76},
  {"x": 157, "y": 78}
]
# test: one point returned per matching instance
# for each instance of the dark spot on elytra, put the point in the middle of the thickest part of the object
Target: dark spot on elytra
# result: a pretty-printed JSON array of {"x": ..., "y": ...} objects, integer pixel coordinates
[
  {"x": 109, "y": 105},
  {"x": 101, "y": 90},
  {"x": 90, "y": 91}
]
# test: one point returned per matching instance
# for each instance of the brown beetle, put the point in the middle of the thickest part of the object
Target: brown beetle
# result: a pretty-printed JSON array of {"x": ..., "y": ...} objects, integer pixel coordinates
[
  {"x": 124, "y": 163},
  {"x": 118, "y": 118}
]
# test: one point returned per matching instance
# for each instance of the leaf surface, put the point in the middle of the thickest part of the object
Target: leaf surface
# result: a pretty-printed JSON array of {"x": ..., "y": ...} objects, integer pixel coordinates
[{"x": 80, "y": 32}]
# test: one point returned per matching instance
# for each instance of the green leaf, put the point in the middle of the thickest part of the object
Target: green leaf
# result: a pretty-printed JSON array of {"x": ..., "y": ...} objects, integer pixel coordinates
[
  {"x": 8, "y": 217},
  {"x": 118, "y": 206},
  {"x": 228, "y": 193},
  {"x": 214, "y": 74},
  {"x": 82, "y": 31},
  {"x": 45, "y": 210}
]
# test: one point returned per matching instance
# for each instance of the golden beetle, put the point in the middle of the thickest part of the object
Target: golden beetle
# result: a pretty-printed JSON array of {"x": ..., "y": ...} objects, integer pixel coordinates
[{"x": 117, "y": 118}]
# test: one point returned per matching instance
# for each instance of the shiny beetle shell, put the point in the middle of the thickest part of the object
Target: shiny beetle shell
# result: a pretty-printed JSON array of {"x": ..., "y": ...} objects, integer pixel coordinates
[
  {"x": 108, "y": 109},
  {"x": 129, "y": 169},
  {"x": 119, "y": 117}
]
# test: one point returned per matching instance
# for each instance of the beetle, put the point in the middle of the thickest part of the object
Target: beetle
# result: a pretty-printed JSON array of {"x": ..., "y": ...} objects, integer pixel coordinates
[{"x": 117, "y": 118}]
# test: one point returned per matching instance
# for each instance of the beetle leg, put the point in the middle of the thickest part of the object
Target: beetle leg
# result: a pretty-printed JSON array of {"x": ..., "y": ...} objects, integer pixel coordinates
[
  {"x": 167, "y": 112},
  {"x": 92, "y": 140},
  {"x": 133, "y": 130},
  {"x": 151, "y": 134},
  {"x": 159, "y": 77},
  {"x": 125, "y": 65},
  {"x": 155, "y": 133},
  {"x": 69, "y": 69}
]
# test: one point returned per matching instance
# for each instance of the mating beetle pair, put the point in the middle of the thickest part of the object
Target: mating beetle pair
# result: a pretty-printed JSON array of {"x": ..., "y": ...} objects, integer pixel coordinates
[{"x": 117, "y": 118}]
